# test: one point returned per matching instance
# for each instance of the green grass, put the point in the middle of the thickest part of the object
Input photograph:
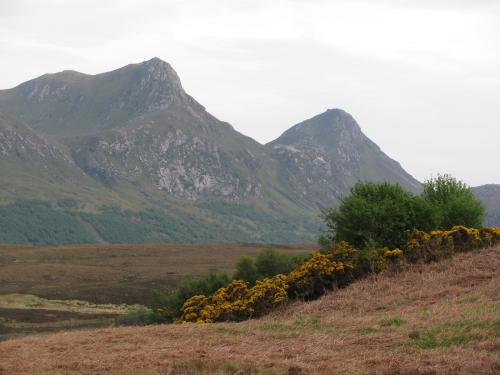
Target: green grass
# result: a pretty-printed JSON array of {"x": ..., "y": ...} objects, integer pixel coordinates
[
  {"x": 487, "y": 308},
  {"x": 471, "y": 299},
  {"x": 29, "y": 301},
  {"x": 393, "y": 321},
  {"x": 366, "y": 331},
  {"x": 457, "y": 333}
]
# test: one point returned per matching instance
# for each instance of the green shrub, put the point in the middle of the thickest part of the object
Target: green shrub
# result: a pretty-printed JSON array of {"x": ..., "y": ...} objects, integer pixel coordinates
[
  {"x": 268, "y": 263},
  {"x": 246, "y": 270},
  {"x": 377, "y": 215},
  {"x": 167, "y": 307},
  {"x": 271, "y": 262},
  {"x": 340, "y": 265},
  {"x": 455, "y": 202}
]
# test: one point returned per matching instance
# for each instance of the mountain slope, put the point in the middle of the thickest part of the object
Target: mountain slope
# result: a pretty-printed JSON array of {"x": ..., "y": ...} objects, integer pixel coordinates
[
  {"x": 145, "y": 157},
  {"x": 490, "y": 196},
  {"x": 34, "y": 167}
]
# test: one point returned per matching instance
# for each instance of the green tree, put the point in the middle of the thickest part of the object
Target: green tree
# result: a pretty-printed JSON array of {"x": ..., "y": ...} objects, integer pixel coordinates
[
  {"x": 455, "y": 202},
  {"x": 246, "y": 270},
  {"x": 377, "y": 214},
  {"x": 166, "y": 307},
  {"x": 268, "y": 263}
]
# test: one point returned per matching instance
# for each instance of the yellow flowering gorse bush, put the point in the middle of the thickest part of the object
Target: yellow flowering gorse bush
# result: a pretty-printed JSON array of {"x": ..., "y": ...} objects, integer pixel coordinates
[
  {"x": 315, "y": 275},
  {"x": 320, "y": 272}
]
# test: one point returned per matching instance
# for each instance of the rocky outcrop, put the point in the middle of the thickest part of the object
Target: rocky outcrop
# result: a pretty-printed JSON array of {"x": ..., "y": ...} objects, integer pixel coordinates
[{"x": 17, "y": 141}]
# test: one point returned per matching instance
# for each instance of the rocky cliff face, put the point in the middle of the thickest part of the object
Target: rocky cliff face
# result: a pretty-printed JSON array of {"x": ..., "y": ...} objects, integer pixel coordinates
[{"x": 174, "y": 156}]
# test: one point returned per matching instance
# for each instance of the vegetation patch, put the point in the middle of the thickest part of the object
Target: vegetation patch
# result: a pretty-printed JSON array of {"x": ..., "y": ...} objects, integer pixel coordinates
[
  {"x": 366, "y": 331},
  {"x": 390, "y": 322},
  {"x": 471, "y": 299},
  {"x": 454, "y": 334},
  {"x": 495, "y": 308},
  {"x": 337, "y": 265},
  {"x": 29, "y": 301}
]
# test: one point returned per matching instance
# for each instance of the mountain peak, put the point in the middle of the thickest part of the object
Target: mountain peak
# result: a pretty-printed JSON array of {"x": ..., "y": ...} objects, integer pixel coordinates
[
  {"x": 333, "y": 117},
  {"x": 330, "y": 126},
  {"x": 156, "y": 61},
  {"x": 73, "y": 103},
  {"x": 161, "y": 72}
]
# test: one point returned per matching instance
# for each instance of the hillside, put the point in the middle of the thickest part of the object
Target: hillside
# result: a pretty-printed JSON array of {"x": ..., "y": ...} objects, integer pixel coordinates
[
  {"x": 134, "y": 158},
  {"x": 490, "y": 196},
  {"x": 439, "y": 318}
]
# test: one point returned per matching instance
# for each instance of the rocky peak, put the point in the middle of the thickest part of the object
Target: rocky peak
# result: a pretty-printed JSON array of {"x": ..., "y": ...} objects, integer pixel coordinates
[
  {"x": 331, "y": 127},
  {"x": 71, "y": 103},
  {"x": 160, "y": 72}
]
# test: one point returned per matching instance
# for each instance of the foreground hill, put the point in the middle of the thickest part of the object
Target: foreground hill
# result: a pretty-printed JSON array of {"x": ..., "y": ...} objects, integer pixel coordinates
[
  {"x": 439, "y": 318},
  {"x": 136, "y": 158}
]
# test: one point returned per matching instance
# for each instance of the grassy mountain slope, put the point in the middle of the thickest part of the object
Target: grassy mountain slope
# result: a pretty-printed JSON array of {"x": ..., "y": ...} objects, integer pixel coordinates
[
  {"x": 34, "y": 167},
  {"x": 439, "y": 318}
]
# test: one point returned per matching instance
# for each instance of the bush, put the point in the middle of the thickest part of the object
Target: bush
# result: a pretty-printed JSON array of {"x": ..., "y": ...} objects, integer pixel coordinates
[
  {"x": 268, "y": 263},
  {"x": 315, "y": 275},
  {"x": 321, "y": 272},
  {"x": 246, "y": 270},
  {"x": 454, "y": 201},
  {"x": 167, "y": 308},
  {"x": 377, "y": 215},
  {"x": 236, "y": 302},
  {"x": 439, "y": 244}
]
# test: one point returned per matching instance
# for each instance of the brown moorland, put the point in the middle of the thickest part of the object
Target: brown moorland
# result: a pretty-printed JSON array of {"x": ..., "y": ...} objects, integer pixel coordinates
[
  {"x": 439, "y": 318},
  {"x": 116, "y": 273}
]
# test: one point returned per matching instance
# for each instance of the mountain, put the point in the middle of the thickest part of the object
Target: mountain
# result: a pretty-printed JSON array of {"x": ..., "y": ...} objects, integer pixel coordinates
[
  {"x": 490, "y": 196},
  {"x": 133, "y": 158},
  {"x": 72, "y": 103},
  {"x": 327, "y": 154}
]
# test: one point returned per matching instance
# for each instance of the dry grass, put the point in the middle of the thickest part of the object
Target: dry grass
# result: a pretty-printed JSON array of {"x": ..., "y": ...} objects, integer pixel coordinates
[
  {"x": 92, "y": 281},
  {"x": 440, "y": 318},
  {"x": 117, "y": 274}
]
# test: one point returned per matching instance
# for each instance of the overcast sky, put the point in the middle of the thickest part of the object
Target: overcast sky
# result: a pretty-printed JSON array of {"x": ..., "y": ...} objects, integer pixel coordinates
[{"x": 421, "y": 77}]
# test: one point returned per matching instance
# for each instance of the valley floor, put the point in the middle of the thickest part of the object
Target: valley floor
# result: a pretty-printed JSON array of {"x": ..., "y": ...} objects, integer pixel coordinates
[
  {"x": 441, "y": 318},
  {"x": 53, "y": 288}
]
